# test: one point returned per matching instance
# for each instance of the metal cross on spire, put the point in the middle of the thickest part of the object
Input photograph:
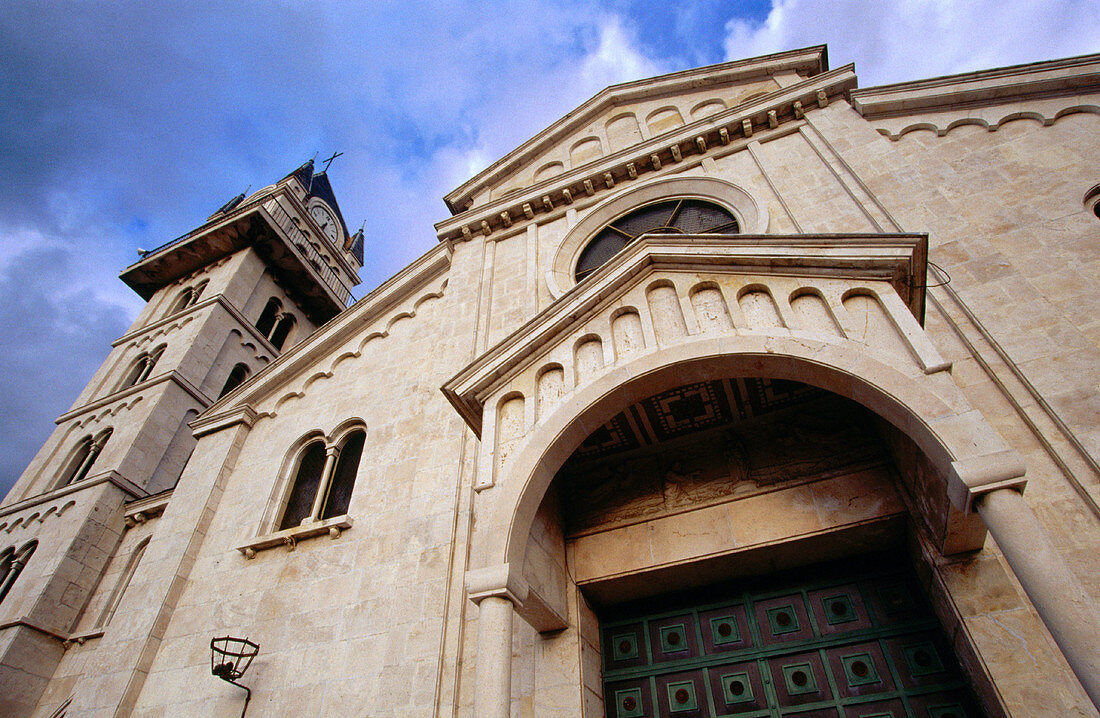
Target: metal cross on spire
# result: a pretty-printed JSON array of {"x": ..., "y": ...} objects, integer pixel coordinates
[{"x": 330, "y": 159}]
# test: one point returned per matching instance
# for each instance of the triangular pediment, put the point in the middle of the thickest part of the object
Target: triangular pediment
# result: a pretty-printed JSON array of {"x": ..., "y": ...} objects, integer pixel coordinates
[
  {"x": 895, "y": 259},
  {"x": 624, "y": 115}
]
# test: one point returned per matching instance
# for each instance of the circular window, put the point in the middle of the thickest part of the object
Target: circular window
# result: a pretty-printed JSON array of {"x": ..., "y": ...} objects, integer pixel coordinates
[{"x": 675, "y": 216}]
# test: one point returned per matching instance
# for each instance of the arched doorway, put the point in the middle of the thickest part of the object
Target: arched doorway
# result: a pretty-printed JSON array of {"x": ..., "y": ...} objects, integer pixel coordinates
[
  {"x": 742, "y": 543},
  {"x": 660, "y": 315}
]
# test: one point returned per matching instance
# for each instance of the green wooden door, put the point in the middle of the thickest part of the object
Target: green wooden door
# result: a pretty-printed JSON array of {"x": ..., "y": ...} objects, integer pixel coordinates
[{"x": 839, "y": 641}]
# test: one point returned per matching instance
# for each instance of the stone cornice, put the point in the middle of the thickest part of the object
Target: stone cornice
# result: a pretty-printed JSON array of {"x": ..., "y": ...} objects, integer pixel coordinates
[
  {"x": 216, "y": 299},
  {"x": 140, "y": 510},
  {"x": 811, "y": 60},
  {"x": 895, "y": 258},
  {"x": 107, "y": 477},
  {"x": 737, "y": 124},
  {"x": 1058, "y": 77},
  {"x": 172, "y": 376},
  {"x": 210, "y": 423}
]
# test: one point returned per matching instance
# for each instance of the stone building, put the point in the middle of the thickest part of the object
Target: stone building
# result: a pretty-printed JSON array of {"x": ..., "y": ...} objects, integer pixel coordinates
[{"x": 717, "y": 397}]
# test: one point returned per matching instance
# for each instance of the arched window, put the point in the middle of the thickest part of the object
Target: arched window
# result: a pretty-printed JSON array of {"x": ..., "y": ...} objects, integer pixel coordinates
[
  {"x": 188, "y": 297},
  {"x": 236, "y": 377},
  {"x": 142, "y": 368},
  {"x": 268, "y": 317},
  {"x": 343, "y": 478},
  {"x": 12, "y": 563},
  {"x": 671, "y": 216},
  {"x": 307, "y": 479},
  {"x": 80, "y": 464},
  {"x": 182, "y": 301},
  {"x": 323, "y": 481},
  {"x": 123, "y": 582},
  {"x": 282, "y": 331}
]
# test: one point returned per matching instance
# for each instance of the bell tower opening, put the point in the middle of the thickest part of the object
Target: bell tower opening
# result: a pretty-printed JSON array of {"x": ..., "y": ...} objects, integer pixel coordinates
[{"x": 743, "y": 544}]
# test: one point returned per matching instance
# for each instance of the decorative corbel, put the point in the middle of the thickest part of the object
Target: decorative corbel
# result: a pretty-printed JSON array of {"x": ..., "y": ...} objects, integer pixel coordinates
[
  {"x": 701, "y": 144},
  {"x": 746, "y": 127},
  {"x": 546, "y": 203},
  {"x": 506, "y": 218},
  {"x": 527, "y": 211},
  {"x": 676, "y": 156},
  {"x": 799, "y": 113},
  {"x": 631, "y": 170},
  {"x": 567, "y": 196},
  {"x": 773, "y": 119},
  {"x": 466, "y": 234},
  {"x": 822, "y": 99},
  {"x": 588, "y": 188},
  {"x": 724, "y": 136},
  {"x": 485, "y": 228},
  {"x": 655, "y": 161},
  {"x": 608, "y": 180}
]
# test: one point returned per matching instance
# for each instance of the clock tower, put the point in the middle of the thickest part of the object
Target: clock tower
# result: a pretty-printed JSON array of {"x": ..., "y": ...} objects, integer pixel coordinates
[{"x": 224, "y": 301}]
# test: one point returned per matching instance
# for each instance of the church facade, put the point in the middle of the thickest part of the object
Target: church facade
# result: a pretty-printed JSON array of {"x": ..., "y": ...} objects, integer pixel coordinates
[{"x": 737, "y": 391}]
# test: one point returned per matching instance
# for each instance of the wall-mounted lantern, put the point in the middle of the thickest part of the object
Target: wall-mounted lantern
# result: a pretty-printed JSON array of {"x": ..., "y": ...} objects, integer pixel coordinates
[{"x": 230, "y": 658}]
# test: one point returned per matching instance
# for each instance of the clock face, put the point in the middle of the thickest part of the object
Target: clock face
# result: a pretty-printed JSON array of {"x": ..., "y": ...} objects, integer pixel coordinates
[{"x": 326, "y": 222}]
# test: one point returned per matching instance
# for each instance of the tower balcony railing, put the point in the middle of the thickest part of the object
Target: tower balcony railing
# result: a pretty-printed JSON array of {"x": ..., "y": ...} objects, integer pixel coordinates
[
  {"x": 258, "y": 221},
  {"x": 301, "y": 242}
]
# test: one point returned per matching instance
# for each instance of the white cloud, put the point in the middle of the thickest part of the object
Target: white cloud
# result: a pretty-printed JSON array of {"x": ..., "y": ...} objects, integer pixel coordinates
[
  {"x": 899, "y": 40},
  {"x": 539, "y": 84},
  {"x": 615, "y": 59}
]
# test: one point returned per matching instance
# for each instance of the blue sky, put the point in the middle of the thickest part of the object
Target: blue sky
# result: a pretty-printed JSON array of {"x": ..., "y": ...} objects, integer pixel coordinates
[{"x": 123, "y": 125}]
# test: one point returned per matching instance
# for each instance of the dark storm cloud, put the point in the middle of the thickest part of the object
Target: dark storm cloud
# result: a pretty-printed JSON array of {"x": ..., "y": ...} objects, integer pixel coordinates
[
  {"x": 123, "y": 125},
  {"x": 52, "y": 347}
]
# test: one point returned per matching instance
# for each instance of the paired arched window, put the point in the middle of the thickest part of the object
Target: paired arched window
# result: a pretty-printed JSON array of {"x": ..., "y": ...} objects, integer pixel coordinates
[
  {"x": 188, "y": 297},
  {"x": 282, "y": 331},
  {"x": 274, "y": 323},
  {"x": 142, "y": 367},
  {"x": 12, "y": 563},
  {"x": 324, "y": 477},
  {"x": 83, "y": 457},
  {"x": 236, "y": 377},
  {"x": 670, "y": 216}
]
